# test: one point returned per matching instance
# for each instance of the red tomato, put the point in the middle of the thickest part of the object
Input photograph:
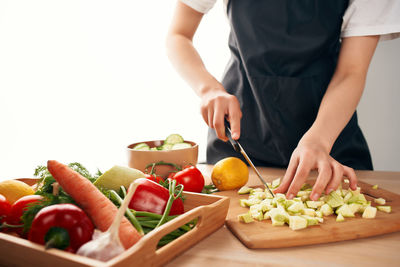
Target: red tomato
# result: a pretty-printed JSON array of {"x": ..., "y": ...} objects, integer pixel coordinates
[
  {"x": 154, "y": 178},
  {"x": 191, "y": 179},
  {"x": 171, "y": 175},
  {"x": 19, "y": 207},
  {"x": 5, "y": 208}
]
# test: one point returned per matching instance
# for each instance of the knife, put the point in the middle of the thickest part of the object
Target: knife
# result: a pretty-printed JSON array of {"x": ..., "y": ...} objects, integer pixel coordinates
[{"x": 238, "y": 148}]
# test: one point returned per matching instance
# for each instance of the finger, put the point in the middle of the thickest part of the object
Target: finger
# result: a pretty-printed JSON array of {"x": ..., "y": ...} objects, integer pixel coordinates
[
  {"x": 289, "y": 174},
  {"x": 234, "y": 120},
  {"x": 350, "y": 173},
  {"x": 219, "y": 124},
  {"x": 302, "y": 172},
  {"x": 324, "y": 176},
  {"x": 337, "y": 176},
  {"x": 211, "y": 118},
  {"x": 204, "y": 114}
]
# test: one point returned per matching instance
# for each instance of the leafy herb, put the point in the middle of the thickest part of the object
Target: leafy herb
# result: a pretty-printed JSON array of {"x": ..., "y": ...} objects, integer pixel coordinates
[
  {"x": 45, "y": 189},
  {"x": 209, "y": 189}
]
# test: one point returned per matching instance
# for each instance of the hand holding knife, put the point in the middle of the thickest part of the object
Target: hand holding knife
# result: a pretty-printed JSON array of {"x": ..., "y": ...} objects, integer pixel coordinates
[{"x": 238, "y": 148}]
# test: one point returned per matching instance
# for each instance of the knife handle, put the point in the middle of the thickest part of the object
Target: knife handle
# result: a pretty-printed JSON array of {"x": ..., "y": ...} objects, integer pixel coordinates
[{"x": 228, "y": 134}]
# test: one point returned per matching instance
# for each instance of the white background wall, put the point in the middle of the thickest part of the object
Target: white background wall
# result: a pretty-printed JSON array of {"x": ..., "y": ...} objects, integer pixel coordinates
[
  {"x": 80, "y": 80},
  {"x": 379, "y": 109}
]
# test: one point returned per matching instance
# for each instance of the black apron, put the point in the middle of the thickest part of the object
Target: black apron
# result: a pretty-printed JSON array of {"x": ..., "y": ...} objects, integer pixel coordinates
[{"x": 284, "y": 53}]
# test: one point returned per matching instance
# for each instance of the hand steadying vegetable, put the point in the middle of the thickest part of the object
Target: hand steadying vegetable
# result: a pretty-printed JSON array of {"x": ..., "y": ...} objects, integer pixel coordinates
[
  {"x": 62, "y": 226},
  {"x": 107, "y": 245}
]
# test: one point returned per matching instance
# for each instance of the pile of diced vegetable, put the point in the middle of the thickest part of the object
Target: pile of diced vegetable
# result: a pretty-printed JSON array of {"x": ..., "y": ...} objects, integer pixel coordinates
[{"x": 301, "y": 212}]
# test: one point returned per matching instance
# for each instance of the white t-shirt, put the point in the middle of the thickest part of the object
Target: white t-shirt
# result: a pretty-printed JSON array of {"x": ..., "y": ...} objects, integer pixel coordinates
[{"x": 362, "y": 17}]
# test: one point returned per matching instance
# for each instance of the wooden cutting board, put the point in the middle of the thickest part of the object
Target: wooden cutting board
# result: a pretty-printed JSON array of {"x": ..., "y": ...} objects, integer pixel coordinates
[{"x": 264, "y": 235}]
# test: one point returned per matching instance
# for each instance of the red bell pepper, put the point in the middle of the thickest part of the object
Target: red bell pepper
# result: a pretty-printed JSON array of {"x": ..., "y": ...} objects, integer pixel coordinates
[
  {"x": 153, "y": 197},
  {"x": 63, "y": 226}
]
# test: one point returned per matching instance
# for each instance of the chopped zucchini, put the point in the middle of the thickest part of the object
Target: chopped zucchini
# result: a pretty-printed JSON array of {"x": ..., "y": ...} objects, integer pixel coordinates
[
  {"x": 380, "y": 201},
  {"x": 358, "y": 198},
  {"x": 347, "y": 196},
  {"x": 314, "y": 204},
  {"x": 326, "y": 210},
  {"x": 268, "y": 194},
  {"x": 335, "y": 199},
  {"x": 354, "y": 207},
  {"x": 245, "y": 190},
  {"x": 279, "y": 214},
  {"x": 369, "y": 212},
  {"x": 243, "y": 202},
  {"x": 306, "y": 187},
  {"x": 319, "y": 214},
  {"x": 276, "y": 183},
  {"x": 340, "y": 218},
  {"x": 266, "y": 205},
  {"x": 309, "y": 212},
  {"x": 260, "y": 195},
  {"x": 345, "y": 211},
  {"x": 245, "y": 217},
  {"x": 277, "y": 223},
  {"x": 296, "y": 207},
  {"x": 387, "y": 209},
  {"x": 310, "y": 220},
  {"x": 297, "y": 222}
]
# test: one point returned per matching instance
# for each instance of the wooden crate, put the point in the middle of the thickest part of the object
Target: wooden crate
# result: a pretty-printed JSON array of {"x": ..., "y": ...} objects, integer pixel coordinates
[{"x": 210, "y": 210}]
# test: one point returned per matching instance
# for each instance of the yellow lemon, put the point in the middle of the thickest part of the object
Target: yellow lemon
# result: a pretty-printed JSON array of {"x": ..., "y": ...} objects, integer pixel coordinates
[
  {"x": 230, "y": 173},
  {"x": 13, "y": 190}
]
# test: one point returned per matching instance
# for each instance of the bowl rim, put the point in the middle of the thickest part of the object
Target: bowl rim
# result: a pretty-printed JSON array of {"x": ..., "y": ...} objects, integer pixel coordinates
[{"x": 130, "y": 147}]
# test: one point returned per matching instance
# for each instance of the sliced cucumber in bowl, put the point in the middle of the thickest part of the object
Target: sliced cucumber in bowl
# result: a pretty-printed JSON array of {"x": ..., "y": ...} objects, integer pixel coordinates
[
  {"x": 181, "y": 146},
  {"x": 141, "y": 146},
  {"x": 173, "y": 139},
  {"x": 172, "y": 142}
]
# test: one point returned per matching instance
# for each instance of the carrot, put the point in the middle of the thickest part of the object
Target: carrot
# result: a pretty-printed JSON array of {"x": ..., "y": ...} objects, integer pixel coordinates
[{"x": 97, "y": 206}]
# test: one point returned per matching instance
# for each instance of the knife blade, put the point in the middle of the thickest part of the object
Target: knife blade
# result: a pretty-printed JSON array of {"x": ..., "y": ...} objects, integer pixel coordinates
[{"x": 238, "y": 148}]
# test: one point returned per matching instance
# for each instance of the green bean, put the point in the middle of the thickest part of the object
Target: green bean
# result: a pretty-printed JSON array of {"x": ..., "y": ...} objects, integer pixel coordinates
[{"x": 131, "y": 217}]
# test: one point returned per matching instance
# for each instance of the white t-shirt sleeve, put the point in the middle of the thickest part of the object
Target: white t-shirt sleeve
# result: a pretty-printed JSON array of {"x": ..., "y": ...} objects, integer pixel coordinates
[
  {"x": 372, "y": 17},
  {"x": 202, "y": 6}
]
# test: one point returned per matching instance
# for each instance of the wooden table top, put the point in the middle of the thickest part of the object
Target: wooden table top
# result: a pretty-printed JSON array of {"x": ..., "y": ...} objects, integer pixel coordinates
[{"x": 223, "y": 248}]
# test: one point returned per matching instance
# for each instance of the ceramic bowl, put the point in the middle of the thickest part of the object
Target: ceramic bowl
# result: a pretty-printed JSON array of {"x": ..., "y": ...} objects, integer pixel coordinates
[{"x": 139, "y": 159}]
